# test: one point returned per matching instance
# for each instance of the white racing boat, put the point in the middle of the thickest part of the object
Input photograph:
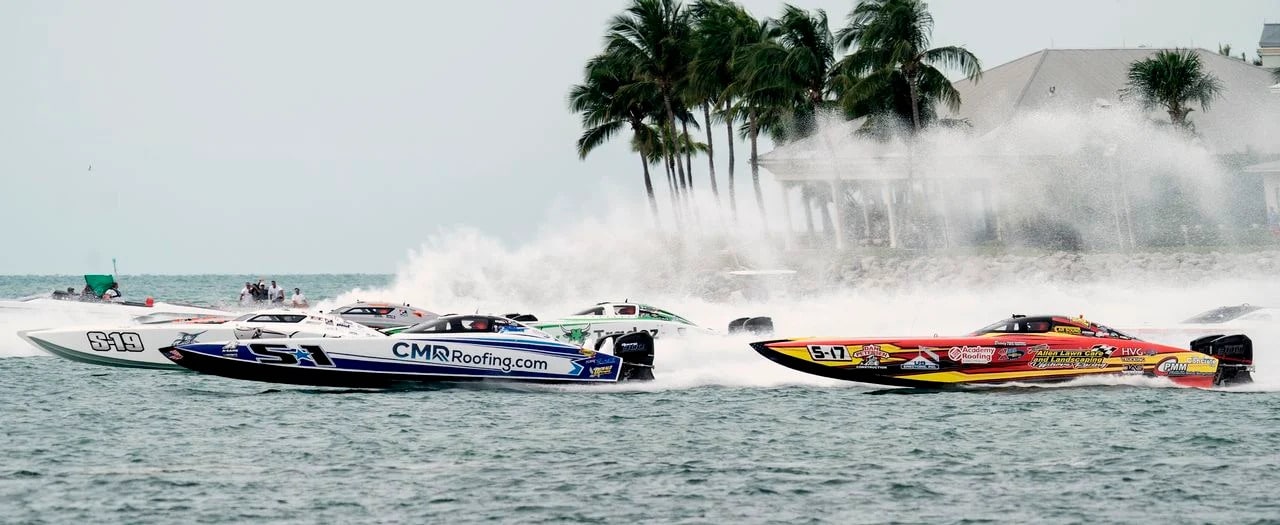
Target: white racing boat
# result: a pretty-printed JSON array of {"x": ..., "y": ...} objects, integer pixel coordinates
[{"x": 138, "y": 345}]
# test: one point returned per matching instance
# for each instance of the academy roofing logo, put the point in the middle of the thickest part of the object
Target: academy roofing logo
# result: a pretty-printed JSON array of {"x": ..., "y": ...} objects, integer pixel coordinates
[
  {"x": 445, "y": 355},
  {"x": 980, "y": 355}
]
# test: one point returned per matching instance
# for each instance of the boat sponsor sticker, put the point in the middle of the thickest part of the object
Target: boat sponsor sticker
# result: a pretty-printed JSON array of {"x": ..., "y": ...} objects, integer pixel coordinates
[
  {"x": 1191, "y": 366},
  {"x": 496, "y": 359},
  {"x": 869, "y": 356},
  {"x": 830, "y": 353},
  {"x": 1091, "y": 358},
  {"x": 971, "y": 355},
  {"x": 921, "y": 361},
  {"x": 1132, "y": 352},
  {"x": 1069, "y": 330}
]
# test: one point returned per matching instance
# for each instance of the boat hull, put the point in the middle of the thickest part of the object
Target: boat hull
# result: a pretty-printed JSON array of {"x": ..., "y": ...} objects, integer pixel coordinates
[{"x": 373, "y": 363}]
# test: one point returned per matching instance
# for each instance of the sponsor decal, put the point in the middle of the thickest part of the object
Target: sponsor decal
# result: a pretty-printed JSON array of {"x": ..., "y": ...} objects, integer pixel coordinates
[
  {"x": 1133, "y": 369},
  {"x": 1010, "y": 354},
  {"x": 829, "y": 353},
  {"x": 576, "y": 334},
  {"x": 1009, "y": 343},
  {"x": 1135, "y": 352},
  {"x": 455, "y": 356},
  {"x": 971, "y": 355},
  {"x": 1069, "y": 330},
  {"x": 1132, "y": 359},
  {"x": 175, "y": 355},
  {"x": 186, "y": 338},
  {"x": 580, "y": 334},
  {"x": 601, "y": 371},
  {"x": 870, "y": 356},
  {"x": 1194, "y": 366},
  {"x": 871, "y": 351},
  {"x": 1091, "y": 358},
  {"x": 921, "y": 361}
]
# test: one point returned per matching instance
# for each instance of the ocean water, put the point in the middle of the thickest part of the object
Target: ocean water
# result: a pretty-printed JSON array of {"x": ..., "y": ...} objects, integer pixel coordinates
[{"x": 721, "y": 436}]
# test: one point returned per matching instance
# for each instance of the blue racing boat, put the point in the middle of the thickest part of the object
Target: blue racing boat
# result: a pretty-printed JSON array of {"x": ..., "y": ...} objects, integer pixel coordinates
[{"x": 448, "y": 348}]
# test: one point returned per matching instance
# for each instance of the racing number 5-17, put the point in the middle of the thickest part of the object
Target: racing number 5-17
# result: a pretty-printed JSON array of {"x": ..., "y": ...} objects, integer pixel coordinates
[{"x": 829, "y": 353}]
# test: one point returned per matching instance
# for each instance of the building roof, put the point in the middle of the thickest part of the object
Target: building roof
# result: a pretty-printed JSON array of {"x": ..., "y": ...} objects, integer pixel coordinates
[
  {"x": 1074, "y": 80},
  {"x": 1091, "y": 77},
  {"x": 1270, "y": 36}
]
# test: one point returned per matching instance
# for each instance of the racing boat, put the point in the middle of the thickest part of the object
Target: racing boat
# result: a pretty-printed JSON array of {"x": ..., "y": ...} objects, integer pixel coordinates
[
  {"x": 1019, "y": 349},
  {"x": 383, "y": 315},
  {"x": 138, "y": 344},
  {"x": 448, "y": 348},
  {"x": 609, "y": 319}
]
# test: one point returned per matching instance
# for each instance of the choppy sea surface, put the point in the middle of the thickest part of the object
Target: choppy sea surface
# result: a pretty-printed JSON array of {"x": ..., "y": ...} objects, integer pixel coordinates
[{"x": 720, "y": 437}]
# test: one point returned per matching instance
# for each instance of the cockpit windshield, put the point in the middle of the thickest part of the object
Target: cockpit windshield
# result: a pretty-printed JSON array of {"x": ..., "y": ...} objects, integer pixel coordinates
[
  {"x": 456, "y": 324},
  {"x": 649, "y": 312},
  {"x": 1223, "y": 314},
  {"x": 1051, "y": 324},
  {"x": 271, "y": 318}
]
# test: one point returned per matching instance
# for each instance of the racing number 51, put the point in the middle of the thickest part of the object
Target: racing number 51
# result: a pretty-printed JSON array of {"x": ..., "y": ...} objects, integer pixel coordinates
[{"x": 277, "y": 354}]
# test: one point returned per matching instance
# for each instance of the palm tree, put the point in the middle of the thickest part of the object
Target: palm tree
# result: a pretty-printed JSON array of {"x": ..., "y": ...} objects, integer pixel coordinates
[
  {"x": 761, "y": 94},
  {"x": 610, "y": 99},
  {"x": 1172, "y": 79},
  {"x": 892, "y": 54},
  {"x": 721, "y": 30},
  {"x": 652, "y": 36}
]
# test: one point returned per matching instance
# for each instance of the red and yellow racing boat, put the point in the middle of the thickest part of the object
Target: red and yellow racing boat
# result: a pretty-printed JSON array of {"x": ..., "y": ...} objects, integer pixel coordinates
[{"x": 1018, "y": 349}]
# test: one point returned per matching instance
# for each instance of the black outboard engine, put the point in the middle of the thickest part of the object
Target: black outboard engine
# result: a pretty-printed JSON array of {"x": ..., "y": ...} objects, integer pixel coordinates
[
  {"x": 1234, "y": 354},
  {"x": 751, "y": 325},
  {"x": 636, "y": 351},
  {"x": 521, "y": 318}
]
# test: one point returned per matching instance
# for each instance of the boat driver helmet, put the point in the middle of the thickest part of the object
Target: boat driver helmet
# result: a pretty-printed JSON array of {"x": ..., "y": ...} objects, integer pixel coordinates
[{"x": 480, "y": 325}]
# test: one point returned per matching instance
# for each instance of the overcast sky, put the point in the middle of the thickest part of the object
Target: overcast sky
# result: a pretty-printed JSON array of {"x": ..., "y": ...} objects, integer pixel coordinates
[{"x": 309, "y": 137}]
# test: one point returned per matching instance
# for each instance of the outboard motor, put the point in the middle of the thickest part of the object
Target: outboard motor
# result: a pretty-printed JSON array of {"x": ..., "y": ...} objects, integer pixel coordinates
[
  {"x": 752, "y": 325},
  {"x": 636, "y": 351},
  {"x": 1234, "y": 354}
]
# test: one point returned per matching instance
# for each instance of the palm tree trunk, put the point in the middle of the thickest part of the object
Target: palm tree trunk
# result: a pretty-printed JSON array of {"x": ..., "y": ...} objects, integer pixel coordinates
[
  {"x": 648, "y": 188},
  {"x": 671, "y": 125},
  {"x": 675, "y": 190},
  {"x": 733, "y": 200},
  {"x": 711, "y": 152},
  {"x": 688, "y": 154},
  {"x": 755, "y": 164},
  {"x": 915, "y": 103}
]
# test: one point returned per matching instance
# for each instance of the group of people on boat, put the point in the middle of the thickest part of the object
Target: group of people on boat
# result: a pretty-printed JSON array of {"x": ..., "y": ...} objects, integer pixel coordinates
[{"x": 260, "y": 292}]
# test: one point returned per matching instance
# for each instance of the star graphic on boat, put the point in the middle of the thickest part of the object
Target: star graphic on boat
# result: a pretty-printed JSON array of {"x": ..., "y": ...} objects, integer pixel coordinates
[{"x": 301, "y": 354}]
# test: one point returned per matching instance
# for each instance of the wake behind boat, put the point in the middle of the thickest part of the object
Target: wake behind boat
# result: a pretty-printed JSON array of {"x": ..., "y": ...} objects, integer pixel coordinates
[{"x": 448, "y": 348}]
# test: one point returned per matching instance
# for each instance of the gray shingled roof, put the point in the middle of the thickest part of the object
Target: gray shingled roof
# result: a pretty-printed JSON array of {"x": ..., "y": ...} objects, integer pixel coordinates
[
  {"x": 1085, "y": 78},
  {"x": 1270, "y": 36}
]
